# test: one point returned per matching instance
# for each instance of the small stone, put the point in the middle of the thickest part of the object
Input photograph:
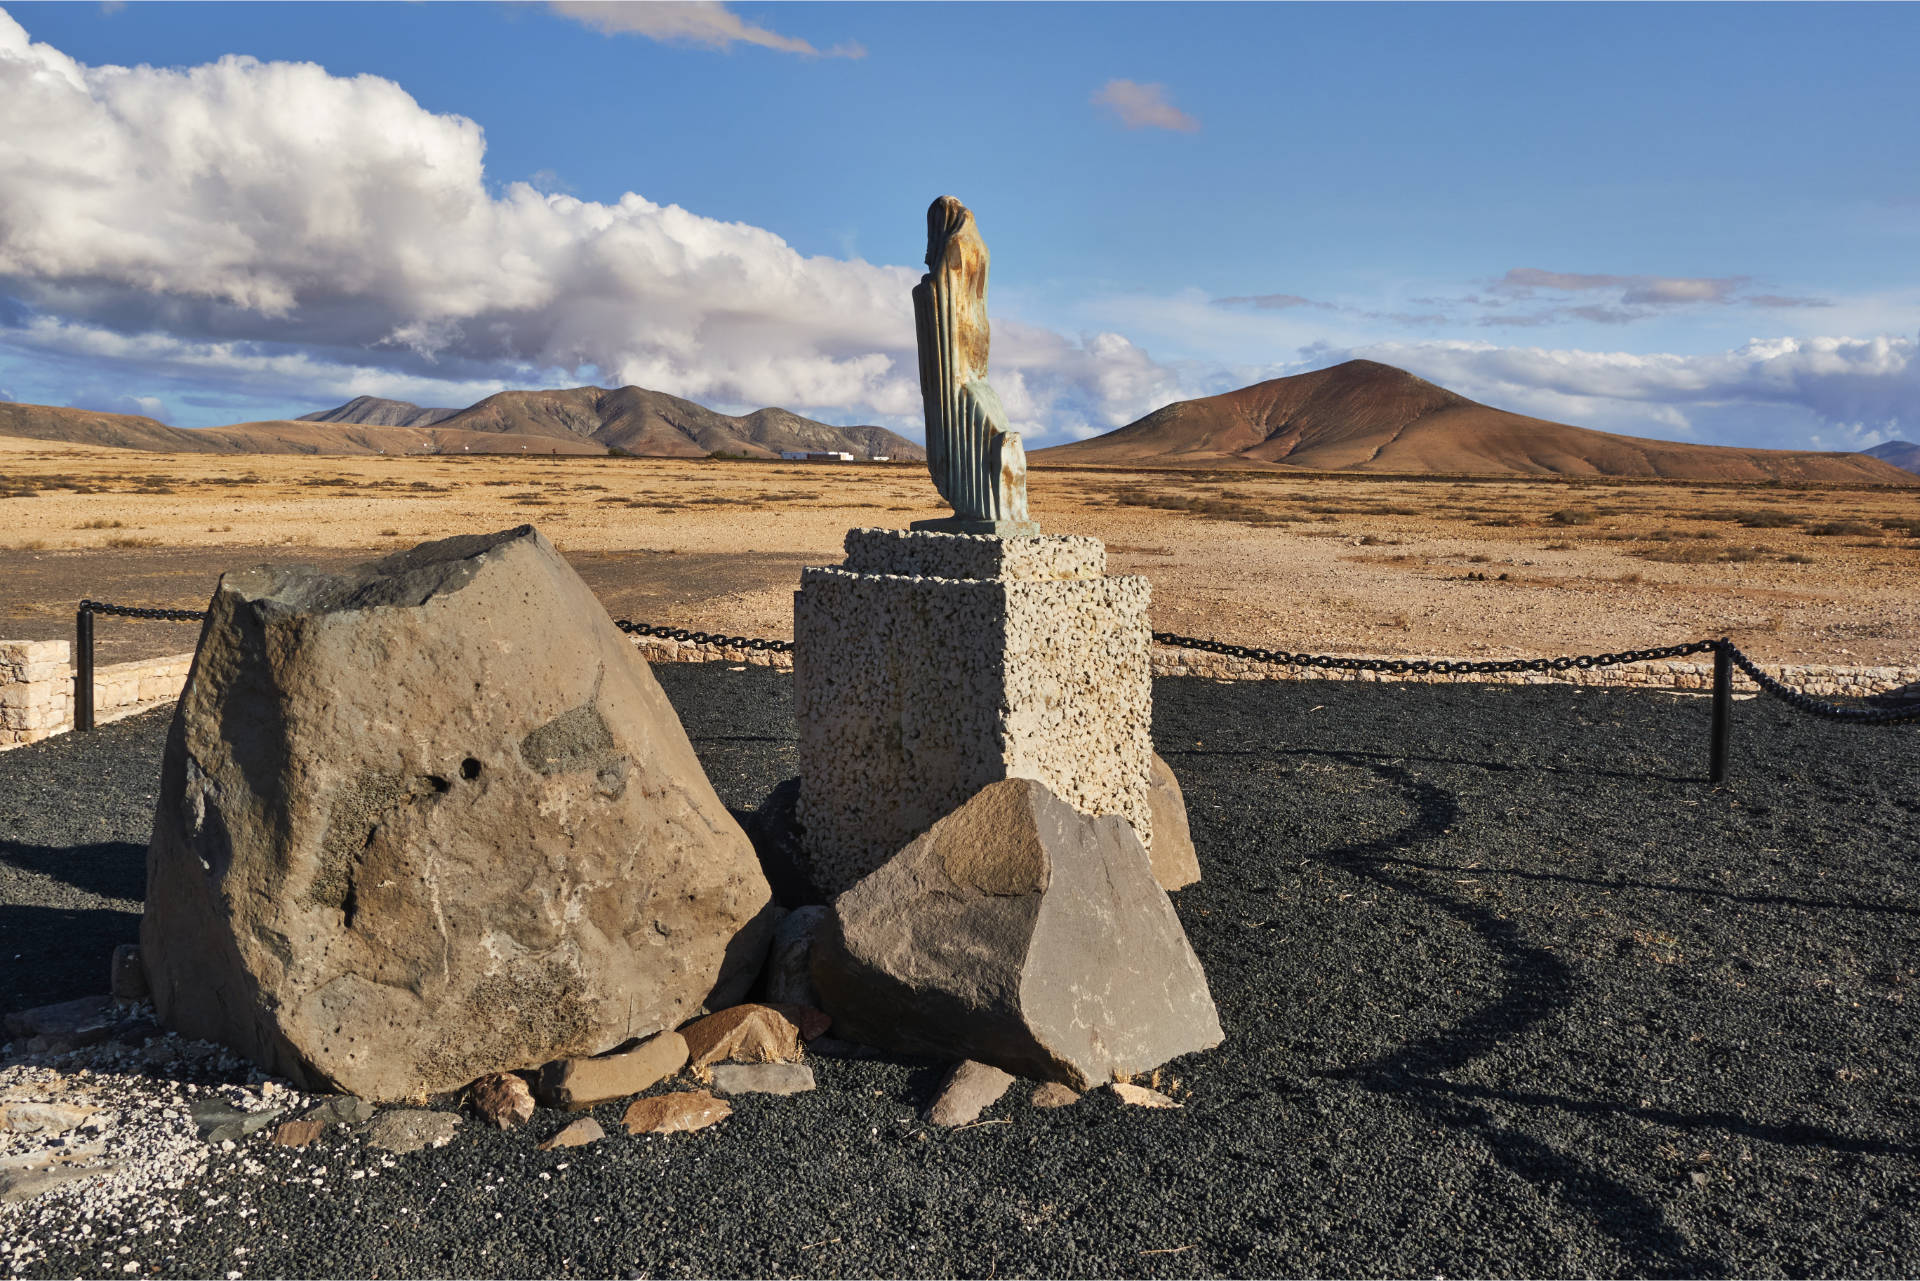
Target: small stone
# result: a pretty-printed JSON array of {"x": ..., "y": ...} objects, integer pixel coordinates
[
  {"x": 28, "y": 1117},
  {"x": 297, "y": 1134},
  {"x": 24, "y": 1185},
  {"x": 1140, "y": 1096},
  {"x": 813, "y": 1024},
  {"x": 503, "y": 1099},
  {"x": 577, "y": 1135},
  {"x": 971, "y": 1088},
  {"x": 1175, "y": 864},
  {"x": 762, "y": 1078},
  {"x": 343, "y": 1109},
  {"x": 219, "y": 1123},
  {"x": 1052, "y": 1094},
  {"x": 1698, "y": 1178},
  {"x": 66, "y": 1025},
  {"x": 410, "y": 1129},
  {"x": 743, "y": 1034},
  {"x": 789, "y": 976},
  {"x": 676, "y": 1112},
  {"x": 581, "y": 1083},
  {"x": 126, "y": 976}
]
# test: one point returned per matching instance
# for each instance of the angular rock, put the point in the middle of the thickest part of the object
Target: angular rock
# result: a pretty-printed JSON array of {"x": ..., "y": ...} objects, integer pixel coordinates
[
  {"x": 126, "y": 976},
  {"x": 762, "y": 1078},
  {"x": 789, "y": 973},
  {"x": 1175, "y": 865},
  {"x": 297, "y": 1134},
  {"x": 581, "y": 1083},
  {"x": 26, "y": 1116},
  {"x": 970, "y": 1089},
  {"x": 23, "y": 1185},
  {"x": 343, "y": 1109},
  {"x": 1021, "y": 933},
  {"x": 812, "y": 1023},
  {"x": 503, "y": 1099},
  {"x": 1140, "y": 1096},
  {"x": 676, "y": 1112},
  {"x": 410, "y": 1129},
  {"x": 743, "y": 1034},
  {"x": 219, "y": 1123},
  {"x": 66, "y": 1025},
  {"x": 432, "y": 818},
  {"x": 577, "y": 1134},
  {"x": 1052, "y": 1094}
]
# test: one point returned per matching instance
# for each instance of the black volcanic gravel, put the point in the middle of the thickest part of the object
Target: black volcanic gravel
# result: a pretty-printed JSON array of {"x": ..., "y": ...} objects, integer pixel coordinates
[{"x": 1508, "y": 989}]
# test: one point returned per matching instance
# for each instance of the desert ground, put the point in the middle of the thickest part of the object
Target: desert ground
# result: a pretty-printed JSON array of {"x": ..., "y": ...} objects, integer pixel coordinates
[{"x": 1353, "y": 564}]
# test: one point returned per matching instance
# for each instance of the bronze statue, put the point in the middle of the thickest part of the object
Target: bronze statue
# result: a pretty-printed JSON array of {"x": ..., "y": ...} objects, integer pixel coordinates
[{"x": 976, "y": 459}]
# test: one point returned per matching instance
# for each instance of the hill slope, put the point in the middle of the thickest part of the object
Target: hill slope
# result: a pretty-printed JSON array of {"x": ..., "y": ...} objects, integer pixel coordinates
[
  {"x": 373, "y": 411},
  {"x": 583, "y": 420},
  {"x": 1903, "y": 454},
  {"x": 1366, "y": 416},
  {"x": 654, "y": 424}
]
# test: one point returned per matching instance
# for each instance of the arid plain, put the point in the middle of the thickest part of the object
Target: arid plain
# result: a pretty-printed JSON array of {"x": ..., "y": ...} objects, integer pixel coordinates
[{"x": 1356, "y": 564}]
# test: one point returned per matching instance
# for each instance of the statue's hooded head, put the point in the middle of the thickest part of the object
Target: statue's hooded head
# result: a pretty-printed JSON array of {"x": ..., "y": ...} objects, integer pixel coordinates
[{"x": 946, "y": 218}]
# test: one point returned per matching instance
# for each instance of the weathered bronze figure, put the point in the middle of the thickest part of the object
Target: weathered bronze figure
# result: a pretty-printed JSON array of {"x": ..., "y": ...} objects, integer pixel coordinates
[{"x": 976, "y": 459}]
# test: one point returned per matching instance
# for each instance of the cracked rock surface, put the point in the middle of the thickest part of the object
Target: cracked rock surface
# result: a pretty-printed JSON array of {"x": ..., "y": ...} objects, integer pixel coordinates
[{"x": 432, "y": 818}]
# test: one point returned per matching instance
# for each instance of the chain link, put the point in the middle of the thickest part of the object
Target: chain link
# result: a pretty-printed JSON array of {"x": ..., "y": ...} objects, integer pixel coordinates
[
  {"x": 1436, "y": 666},
  {"x": 1793, "y": 698},
  {"x": 139, "y": 611},
  {"x": 1325, "y": 662},
  {"x": 704, "y": 638}
]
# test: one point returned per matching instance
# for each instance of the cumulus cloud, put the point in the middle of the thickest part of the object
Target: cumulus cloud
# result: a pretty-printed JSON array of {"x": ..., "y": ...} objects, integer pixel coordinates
[
  {"x": 1143, "y": 106},
  {"x": 698, "y": 22},
  {"x": 1834, "y": 393},
  {"x": 277, "y": 222}
]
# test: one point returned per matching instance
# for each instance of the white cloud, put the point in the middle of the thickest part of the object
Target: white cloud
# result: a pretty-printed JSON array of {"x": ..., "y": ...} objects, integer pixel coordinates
[
  {"x": 699, "y": 22},
  {"x": 241, "y": 217},
  {"x": 1143, "y": 106},
  {"x": 1831, "y": 393}
]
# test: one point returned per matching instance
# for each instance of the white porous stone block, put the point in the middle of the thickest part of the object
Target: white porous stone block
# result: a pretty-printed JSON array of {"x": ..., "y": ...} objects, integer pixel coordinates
[{"x": 933, "y": 664}]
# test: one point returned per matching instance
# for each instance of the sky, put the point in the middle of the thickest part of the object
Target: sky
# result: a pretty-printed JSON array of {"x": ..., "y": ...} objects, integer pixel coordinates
[{"x": 1693, "y": 222}]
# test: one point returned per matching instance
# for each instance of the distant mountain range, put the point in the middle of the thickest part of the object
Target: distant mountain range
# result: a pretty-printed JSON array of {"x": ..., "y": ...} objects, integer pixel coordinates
[
  {"x": 1901, "y": 453},
  {"x": 583, "y": 420},
  {"x": 1358, "y": 416},
  {"x": 1369, "y": 417}
]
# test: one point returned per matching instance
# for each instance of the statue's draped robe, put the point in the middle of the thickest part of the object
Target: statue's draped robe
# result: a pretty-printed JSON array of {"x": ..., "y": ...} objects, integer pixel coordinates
[{"x": 977, "y": 462}]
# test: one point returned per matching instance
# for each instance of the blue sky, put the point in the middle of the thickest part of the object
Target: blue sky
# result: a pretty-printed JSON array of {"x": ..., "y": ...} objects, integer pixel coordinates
[{"x": 1695, "y": 222}]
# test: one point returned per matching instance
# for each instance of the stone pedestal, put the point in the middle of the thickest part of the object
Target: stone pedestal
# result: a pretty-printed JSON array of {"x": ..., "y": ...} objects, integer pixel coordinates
[{"x": 931, "y": 664}]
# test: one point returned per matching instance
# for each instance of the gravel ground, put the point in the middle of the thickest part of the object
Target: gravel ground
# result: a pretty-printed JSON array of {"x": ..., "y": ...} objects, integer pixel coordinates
[{"x": 1508, "y": 990}]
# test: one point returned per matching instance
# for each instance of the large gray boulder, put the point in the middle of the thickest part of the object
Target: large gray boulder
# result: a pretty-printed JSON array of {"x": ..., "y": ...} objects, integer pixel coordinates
[
  {"x": 1020, "y": 933},
  {"x": 432, "y": 818}
]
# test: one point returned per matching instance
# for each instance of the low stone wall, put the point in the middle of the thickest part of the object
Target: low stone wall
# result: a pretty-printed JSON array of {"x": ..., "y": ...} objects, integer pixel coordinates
[
  {"x": 36, "y": 689},
  {"x": 1822, "y": 680},
  {"x": 36, "y": 678},
  {"x": 1818, "y": 679}
]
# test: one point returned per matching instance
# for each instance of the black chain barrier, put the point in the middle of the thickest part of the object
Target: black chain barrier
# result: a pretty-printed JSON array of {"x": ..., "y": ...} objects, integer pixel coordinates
[
  {"x": 1436, "y": 666},
  {"x": 703, "y": 638},
  {"x": 1725, "y": 653}
]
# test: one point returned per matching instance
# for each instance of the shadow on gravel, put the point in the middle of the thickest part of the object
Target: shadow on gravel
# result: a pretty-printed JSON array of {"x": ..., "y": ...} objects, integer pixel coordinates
[
  {"x": 114, "y": 869},
  {"x": 67, "y": 948},
  {"x": 1539, "y": 986}
]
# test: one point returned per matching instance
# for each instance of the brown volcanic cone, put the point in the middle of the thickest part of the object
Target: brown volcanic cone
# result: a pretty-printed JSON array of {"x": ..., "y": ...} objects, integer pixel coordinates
[{"x": 1366, "y": 416}]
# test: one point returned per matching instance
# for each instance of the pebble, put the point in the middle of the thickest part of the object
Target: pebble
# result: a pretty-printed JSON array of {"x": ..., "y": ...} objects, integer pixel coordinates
[
  {"x": 674, "y": 1113},
  {"x": 577, "y": 1134},
  {"x": 762, "y": 1078}
]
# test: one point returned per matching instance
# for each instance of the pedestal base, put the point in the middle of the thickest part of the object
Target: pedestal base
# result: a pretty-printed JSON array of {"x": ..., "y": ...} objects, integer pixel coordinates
[
  {"x": 931, "y": 664},
  {"x": 989, "y": 528}
]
